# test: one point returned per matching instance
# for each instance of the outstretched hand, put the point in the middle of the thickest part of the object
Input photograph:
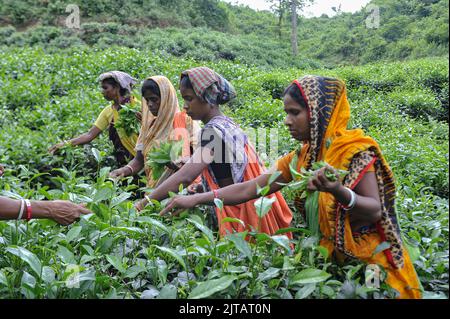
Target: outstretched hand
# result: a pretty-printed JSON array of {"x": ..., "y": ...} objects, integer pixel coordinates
[
  {"x": 56, "y": 147},
  {"x": 180, "y": 203},
  {"x": 117, "y": 173},
  {"x": 140, "y": 205},
  {"x": 320, "y": 182},
  {"x": 64, "y": 212}
]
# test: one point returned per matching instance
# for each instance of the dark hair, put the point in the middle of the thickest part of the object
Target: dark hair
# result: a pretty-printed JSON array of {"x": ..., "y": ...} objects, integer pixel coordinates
[
  {"x": 294, "y": 92},
  {"x": 114, "y": 83},
  {"x": 186, "y": 82},
  {"x": 152, "y": 86}
]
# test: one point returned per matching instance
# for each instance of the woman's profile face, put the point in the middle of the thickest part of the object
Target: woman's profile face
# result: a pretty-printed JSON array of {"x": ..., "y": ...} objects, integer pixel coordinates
[
  {"x": 153, "y": 102},
  {"x": 297, "y": 119},
  {"x": 110, "y": 93},
  {"x": 195, "y": 107}
]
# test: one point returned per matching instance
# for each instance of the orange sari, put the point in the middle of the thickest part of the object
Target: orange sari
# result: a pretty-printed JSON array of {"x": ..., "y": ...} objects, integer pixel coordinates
[{"x": 279, "y": 216}]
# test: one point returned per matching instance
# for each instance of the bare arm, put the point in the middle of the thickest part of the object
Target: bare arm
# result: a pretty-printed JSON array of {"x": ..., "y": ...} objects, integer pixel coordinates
[
  {"x": 80, "y": 140},
  {"x": 230, "y": 195},
  {"x": 63, "y": 212},
  {"x": 367, "y": 209},
  {"x": 186, "y": 175},
  {"x": 86, "y": 137},
  {"x": 136, "y": 165}
]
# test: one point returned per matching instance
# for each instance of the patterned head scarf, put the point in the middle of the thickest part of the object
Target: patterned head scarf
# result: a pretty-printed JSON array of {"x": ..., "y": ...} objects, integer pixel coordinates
[
  {"x": 321, "y": 96},
  {"x": 124, "y": 79},
  {"x": 157, "y": 129},
  {"x": 210, "y": 86},
  {"x": 329, "y": 112}
]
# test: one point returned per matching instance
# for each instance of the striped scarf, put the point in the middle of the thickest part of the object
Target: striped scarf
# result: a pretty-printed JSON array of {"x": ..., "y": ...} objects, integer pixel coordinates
[{"x": 210, "y": 86}]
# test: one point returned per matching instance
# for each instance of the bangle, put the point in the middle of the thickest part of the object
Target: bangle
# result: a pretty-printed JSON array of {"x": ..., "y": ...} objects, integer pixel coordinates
[
  {"x": 216, "y": 193},
  {"x": 131, "y": 169},
  {"x": 22, "y": 206},
  {"x": 352, "y": 202},
  {"x": 29, "y": 210}
]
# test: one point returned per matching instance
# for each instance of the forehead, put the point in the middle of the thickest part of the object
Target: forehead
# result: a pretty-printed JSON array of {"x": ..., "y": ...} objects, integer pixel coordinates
[
  {"x": 186, "y": 91},
  {"x": 149, "y": 94},
  {"x": 105, "y": 84},
  {"x": 290, "y": 103}
]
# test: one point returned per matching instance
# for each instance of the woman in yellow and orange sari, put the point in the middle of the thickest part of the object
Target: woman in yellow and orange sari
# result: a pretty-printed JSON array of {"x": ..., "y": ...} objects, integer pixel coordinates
[{"x": 355, "y": 215}]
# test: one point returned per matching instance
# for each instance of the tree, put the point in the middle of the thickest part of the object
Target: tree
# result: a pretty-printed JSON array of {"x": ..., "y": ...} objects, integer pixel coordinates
[
  {"x": 280, "y": 8},
  {"x": 294, "y": 7}
]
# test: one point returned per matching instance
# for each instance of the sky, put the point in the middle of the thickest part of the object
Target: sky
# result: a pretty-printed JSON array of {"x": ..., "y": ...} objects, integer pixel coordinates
[{"x": 318, "y": 8}]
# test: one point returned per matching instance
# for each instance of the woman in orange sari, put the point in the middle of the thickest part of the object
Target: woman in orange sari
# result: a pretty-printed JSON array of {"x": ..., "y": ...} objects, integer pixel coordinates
[
  {"x": 225, "y": 157},
  {"x": 162, "y": 121},
  {"x": 355, "y": 215}
]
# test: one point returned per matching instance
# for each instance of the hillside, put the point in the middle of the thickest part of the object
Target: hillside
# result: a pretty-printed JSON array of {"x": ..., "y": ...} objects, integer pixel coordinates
[{"x": 211, "y": 29}]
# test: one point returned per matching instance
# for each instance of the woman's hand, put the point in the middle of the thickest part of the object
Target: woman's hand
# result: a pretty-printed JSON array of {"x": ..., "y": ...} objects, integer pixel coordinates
[
  {"x": 180, "y": 202},
  {"x": 56, "y": 147},
  {"x": 65, "y": 212},
  {"x": 195, "y": 188},
  {"x": 321, "y": 183},
  {"x": 118, "y": 173},
  {"x": 140, "y": 205}
]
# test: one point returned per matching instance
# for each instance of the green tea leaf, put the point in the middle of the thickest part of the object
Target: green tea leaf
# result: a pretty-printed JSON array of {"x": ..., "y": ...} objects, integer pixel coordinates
[
  {"x": 381, "y": 247},
  {"x": 168, "y": 292},
  {"x": 263, "y": 205},
  {"x": 174, "y": 254},
  {"x": 305, "y": 291},
  {"x": 3, "y": 279},
  {"x": 241, "y": 244},
  {"x": 232, "y": 220},
  {"x": 282, "y": 241},
  {"x": 269, "y": 274},
  {"x": 119, "y": 199},
  {"x": 116, "y": 262},
  {"x": 310, "y": 275},
  {"x": 205, "y": 230},
  {"x": 73, "y": 233},
  {"x": 208, "y": 288},
  {"x": 27, "y": 256}
]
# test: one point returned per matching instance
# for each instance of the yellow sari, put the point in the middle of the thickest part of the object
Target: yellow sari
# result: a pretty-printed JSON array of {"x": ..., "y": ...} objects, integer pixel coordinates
[{"x": 353, "y": 151}]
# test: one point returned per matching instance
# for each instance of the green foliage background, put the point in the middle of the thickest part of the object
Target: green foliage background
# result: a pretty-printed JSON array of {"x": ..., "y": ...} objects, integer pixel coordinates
[
  {"x": 398, "y": 95},
  {"x": 49, "y": 96},
  {"x": 209, "y": 30}
]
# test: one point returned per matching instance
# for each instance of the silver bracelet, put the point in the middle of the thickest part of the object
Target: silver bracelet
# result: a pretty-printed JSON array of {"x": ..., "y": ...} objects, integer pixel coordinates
[
  {"x": 22, "y": 208},
  {"x": 352, "y": 200}
]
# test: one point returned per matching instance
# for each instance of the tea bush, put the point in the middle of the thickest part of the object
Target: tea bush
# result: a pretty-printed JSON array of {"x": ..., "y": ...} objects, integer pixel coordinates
[{"x": 49, "y": 94}]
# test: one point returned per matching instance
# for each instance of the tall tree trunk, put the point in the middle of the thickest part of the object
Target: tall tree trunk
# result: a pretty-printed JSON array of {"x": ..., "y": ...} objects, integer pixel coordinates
[
  {"x": 294, "y": 27},
  {"x": 280, "y": 18}
]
